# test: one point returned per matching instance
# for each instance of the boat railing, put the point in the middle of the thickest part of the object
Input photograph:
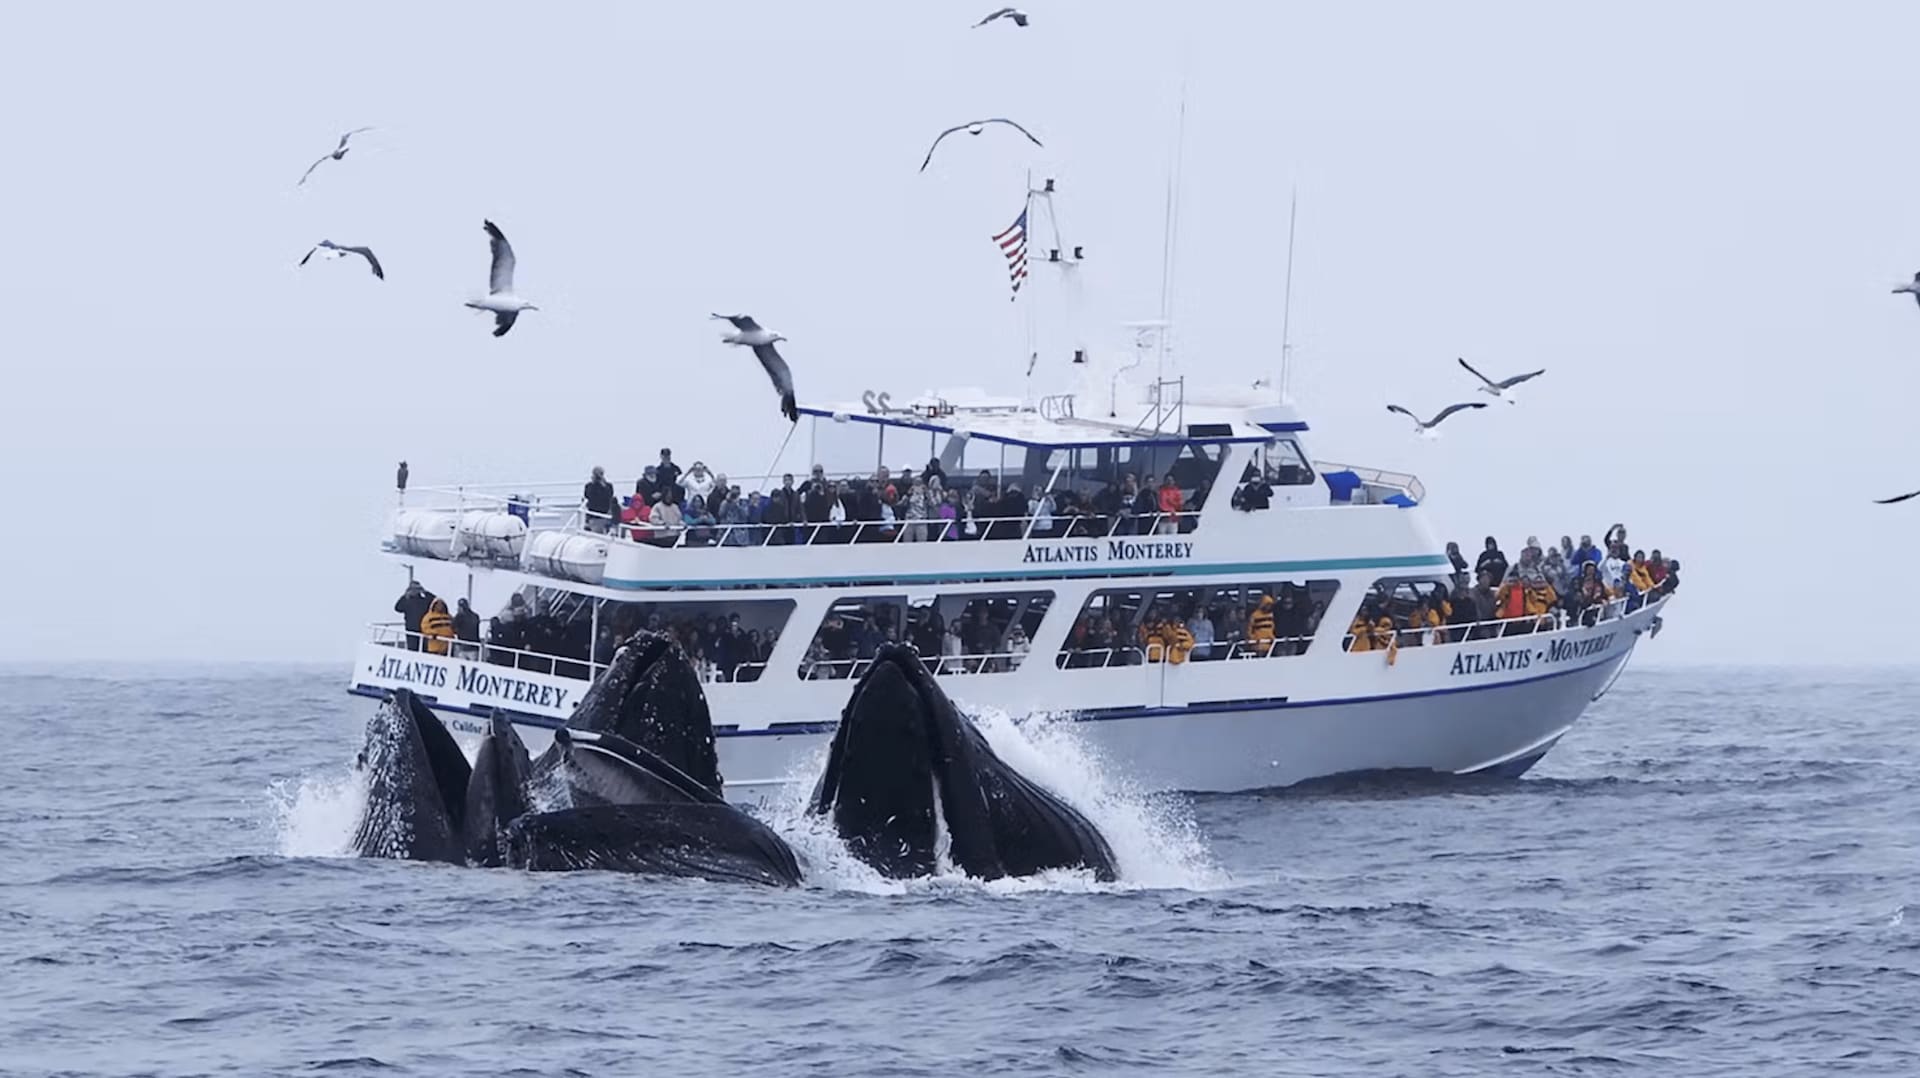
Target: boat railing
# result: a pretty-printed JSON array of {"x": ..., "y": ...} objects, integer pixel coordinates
[
  {"x": 394, "y": 634},
  {"x": 935, "y": 530},
  {"x": 1071, "y": 658},
  {"x": 1555, "y": 621},
  {"x": 993, "y": 662},
  {"x": 1378, "y": 479}
]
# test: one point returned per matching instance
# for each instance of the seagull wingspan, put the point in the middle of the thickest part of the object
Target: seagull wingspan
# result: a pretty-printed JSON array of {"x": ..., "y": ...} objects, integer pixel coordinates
[
  {"x": 1452, "y": 408},
  {"x": 742, "y": 322},
  {"x": 1016, "y": 127},
  {"x": 372, "y": 262},
  {"x": 962, "y": 127},
  {"x": 503, "y": 321},
  {"x": 501, "y": 277},
  {"x": 998, "y": 14},
  {"x": 782, "y": 378},
  {"x": 350, "y": 134},
  {"x": 936, "y": 145},
  {"x": 310, "y": 168},
  {"x": 1509, "y": 383},
  {"x": 1896, "y": 498},
  {"x": 1490, "y": 382},
  {"x": 1403, "y": 411},
  {"x": 309, "y": 254}
]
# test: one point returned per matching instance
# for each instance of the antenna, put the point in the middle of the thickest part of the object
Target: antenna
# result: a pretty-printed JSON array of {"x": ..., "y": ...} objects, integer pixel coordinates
[
  {"x": 1172, "y": 234},
  {"x": 1286, "y": 307}
]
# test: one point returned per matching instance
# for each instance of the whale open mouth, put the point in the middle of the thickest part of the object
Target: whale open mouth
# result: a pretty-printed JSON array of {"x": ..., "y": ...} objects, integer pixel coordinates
[
  {"x": 651, "y": 696},
  {"x": 913, "y": 787}
]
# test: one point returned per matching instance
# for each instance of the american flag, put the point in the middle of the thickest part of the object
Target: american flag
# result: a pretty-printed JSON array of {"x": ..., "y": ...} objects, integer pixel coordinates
[{"x": 1013, "y": 244}]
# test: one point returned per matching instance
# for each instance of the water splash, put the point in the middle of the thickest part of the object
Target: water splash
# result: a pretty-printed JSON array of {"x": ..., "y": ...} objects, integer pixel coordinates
[
  {"x": 315, "y": 815},
  {"x": 1155, "y": 840}
]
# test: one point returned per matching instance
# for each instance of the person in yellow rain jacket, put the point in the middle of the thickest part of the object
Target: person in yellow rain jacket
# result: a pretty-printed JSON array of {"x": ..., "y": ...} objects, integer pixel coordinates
[
  {"x": 1153, "y": 638},
  {"x": 1641, "y": 572},
  {"x": 436, "y": 626},
  {"x": 1179, "y": 639},
  {"x": 1540, "y": 599},
  {"x": 1371, "y": 630},
  {"x": 1260, "y": 626}
]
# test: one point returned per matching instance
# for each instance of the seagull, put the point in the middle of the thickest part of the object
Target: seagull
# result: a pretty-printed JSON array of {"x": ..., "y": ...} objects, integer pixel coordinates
[
  {"x": 1425, "y": 430},
  {"x": 1019, "y": 17},
  {"x": 974, "y": 128},
  {"x": 338, "y": 152},
  {"x": 752, "y": 335},
  {"x": 500, "y": 298},
  {"x": 342, "y": 251},
  {"x": 1912, "y": 286},
  {"x": 400, "y": 477},
  {"x": 1896, "y": 498},
  {"x": 1499, "y": 389}
]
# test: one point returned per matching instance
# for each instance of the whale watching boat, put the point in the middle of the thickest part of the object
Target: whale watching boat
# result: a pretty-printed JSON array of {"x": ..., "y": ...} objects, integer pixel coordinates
[{"x": 1085, "y": 607}]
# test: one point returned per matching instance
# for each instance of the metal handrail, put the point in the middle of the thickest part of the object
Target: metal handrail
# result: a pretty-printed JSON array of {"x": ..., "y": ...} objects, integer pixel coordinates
[
  {"x": 395, "y": 635},
  {"x": 828, "y": 533},
  {"x": 1376, "y": 477},
  {"x": 1611, "y": 610},
  {"x": 936, "y": 664}
]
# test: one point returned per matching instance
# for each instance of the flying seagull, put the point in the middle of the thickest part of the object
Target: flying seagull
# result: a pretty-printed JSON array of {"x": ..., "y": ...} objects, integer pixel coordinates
[
  {"x": 752, "y": 335},
  {"x": 1019, "y": 17},
  {"x": 975, "y": 128},
  {"x": 500, "y": 298},
  {"x": 1499, "y": 389},
  {"x": 1896, "y": 498},
  {"x": 1912, "y": 286},
  {"x": 338, "y": 152},
  {"x": 342, "y": 251},
  {"x": 1425, "y": 429}
]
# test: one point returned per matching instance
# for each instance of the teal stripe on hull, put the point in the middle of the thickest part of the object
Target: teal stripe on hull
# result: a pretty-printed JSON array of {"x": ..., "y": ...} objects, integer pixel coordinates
[{"x": 1408, "y": 561}]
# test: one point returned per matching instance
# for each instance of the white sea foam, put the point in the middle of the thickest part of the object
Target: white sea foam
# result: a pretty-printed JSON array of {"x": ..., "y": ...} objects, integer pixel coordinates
[
  {"x": 1156, "y": 843},
  {"x": 315, "y": 815}
]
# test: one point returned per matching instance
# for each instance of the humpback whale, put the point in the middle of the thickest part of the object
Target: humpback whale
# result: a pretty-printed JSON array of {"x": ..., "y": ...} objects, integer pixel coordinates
[
  {"x": 907, "y": 771},
  {"x": 597, "y": 799}
]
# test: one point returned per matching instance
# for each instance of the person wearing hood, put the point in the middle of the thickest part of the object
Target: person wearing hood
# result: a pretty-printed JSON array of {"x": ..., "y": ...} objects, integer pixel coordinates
[
  {"x": 1558, "y": 573},
  {"x": 412, "y": 606},
  {"x": 436, "y": 627},
  {"x": 1371, "y": 630},
  {"x": 1586, "y": 552},
  {"x": 1492, "y": 561},
  {"x": 466, "y": 629},
  {"x": 1459, "y": 563}
]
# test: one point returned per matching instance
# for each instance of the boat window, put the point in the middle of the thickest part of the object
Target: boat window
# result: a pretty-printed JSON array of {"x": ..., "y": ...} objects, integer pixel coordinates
[
  {"x": 1277, "y": 463},
  {"x": 1420, "y": 611},
  {"x": 728, "y": 639},
  {"x": 959, "y": 633},
  {"x": 1201, "y": 623}
]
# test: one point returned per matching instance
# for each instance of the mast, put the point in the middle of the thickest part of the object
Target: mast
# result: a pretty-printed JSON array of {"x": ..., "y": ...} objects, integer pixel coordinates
[
  {"x": 1286, "y": 307},
  {"x": 1171, "y": 237}
]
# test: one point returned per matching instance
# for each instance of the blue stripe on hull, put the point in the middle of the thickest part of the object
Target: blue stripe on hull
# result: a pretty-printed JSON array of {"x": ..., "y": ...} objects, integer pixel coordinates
[
  {"x": 1280, "y": 703},
  {"x": 1408, "y": 561}
]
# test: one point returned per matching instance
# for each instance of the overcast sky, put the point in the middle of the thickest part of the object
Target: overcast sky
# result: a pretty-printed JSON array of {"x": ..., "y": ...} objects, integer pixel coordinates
[{"x": 1690, "y": 214}]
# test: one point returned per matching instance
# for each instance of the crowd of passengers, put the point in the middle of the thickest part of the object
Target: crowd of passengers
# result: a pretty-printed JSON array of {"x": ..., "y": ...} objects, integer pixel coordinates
[
  {"x": 533, "y": 637},
  {"x": 699, "y": 507},
  {"x": 971, "y": 643},
  {"x": 1547, "y": 588},
  {"x": 1278, "y": 622}
]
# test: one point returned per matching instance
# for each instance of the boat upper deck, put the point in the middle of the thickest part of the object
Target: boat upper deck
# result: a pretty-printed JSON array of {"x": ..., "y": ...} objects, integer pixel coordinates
[{"x": 1009, "y": 490}]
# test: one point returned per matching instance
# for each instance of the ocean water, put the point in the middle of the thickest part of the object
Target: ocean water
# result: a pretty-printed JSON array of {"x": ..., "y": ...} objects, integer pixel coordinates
[{"x": 1711, "y": 876}]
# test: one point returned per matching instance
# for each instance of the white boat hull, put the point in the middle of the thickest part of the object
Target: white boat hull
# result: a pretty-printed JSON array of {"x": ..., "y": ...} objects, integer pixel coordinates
[{"x": 1452, "y": 718}]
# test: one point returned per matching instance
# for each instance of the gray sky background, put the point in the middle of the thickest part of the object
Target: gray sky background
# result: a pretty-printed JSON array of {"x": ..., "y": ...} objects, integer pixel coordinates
[{"x": 1690, "y": 214}]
